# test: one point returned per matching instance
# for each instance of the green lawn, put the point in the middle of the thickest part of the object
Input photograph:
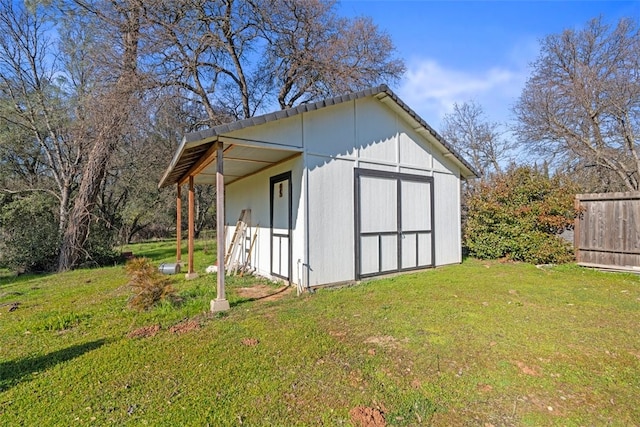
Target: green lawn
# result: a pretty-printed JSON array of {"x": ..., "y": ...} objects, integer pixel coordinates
[{"x": 482, "y": 343}]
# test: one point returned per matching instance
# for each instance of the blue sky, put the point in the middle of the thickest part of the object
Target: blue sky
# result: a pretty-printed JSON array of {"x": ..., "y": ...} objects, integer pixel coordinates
[{"x": 456, "y": 51}]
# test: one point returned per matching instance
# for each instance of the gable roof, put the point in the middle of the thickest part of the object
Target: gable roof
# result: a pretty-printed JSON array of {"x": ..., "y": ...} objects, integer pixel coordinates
[{"x": 195, "y": 145}]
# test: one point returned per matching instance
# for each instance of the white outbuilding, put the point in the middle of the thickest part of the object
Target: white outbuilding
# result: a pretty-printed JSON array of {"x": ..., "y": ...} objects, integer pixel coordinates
[{"x": 333, "y": 191}]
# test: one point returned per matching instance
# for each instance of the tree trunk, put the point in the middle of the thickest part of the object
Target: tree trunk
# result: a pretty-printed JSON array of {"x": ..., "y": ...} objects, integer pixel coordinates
[{"x": 77, "y": 229}]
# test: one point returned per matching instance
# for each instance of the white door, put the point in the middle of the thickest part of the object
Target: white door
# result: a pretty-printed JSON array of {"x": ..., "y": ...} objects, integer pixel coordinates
[
  {"x": 378, "y": 225},
  {"x": 281, "y": 225}
]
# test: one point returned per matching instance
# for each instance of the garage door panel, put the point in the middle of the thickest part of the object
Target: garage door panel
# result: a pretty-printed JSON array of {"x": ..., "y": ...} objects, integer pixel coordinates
[
  {"x": 416, "y": 201},
  {"x": 369, "y": 255},
  {"x": 379, "y": 204},
  {"x": 409, "y": 253},
  {"x": 425, "y": 250},
  {"x": 389, "y": 251}
]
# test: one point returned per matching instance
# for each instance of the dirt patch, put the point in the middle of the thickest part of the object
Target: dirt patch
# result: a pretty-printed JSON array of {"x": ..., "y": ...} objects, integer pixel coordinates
[
  {"x": 364, "y": 416},
  {"x": 144, "y": 332},
  {"x": 485, "y": 388},
  {"x": 264, "y": 292},
  {"x": 184, "y": 327},
  {"x": 385, "y": 341},
  {"x": 527, "y": 369},
  {"x": 250, "y": 342}
]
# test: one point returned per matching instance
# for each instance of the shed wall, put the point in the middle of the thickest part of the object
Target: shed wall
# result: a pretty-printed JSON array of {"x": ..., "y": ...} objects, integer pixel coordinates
[
  {"x": 385, "y": 142},
  {"x": 331, "y": 241},
  {"x": 287, "y": 132},
  {"x": 331, "y": 132}
]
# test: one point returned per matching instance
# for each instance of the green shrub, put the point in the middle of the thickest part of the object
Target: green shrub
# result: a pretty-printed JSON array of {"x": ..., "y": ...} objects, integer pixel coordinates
[
  {"x": 148, "y": 284},
  {"x": 519, "y": 215},
  {"x": 28, "y": 233}
]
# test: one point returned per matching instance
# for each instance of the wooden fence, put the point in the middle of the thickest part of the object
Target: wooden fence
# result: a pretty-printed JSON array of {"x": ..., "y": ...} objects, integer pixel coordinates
[{"x": 607, "y": 230}]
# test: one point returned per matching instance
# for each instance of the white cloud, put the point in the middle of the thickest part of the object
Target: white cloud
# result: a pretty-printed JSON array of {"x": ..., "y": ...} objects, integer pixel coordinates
[{"x": 431, "y": 89}]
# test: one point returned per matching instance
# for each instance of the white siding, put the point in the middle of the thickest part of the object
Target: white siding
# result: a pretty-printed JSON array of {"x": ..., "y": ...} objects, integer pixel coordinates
[
  {"x": 377, "y": 131},
  {"x": 415, "y": 152},
  {"x": 284, "y": 131},
  {"x": 447, "y": 219},
  {"x": 442, "y": 164},
  {"x": 330, "y": 132},
  {"x": 377, "y": 166},
  {"x": 331, "y": 216}
]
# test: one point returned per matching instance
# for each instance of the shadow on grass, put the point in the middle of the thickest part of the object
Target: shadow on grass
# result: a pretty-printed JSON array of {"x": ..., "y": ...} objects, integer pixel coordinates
[
  {"x": 157, "y": 254},
  {"x": 14, "y": 372},
  {"x": 243, "y": 300},
  {"x": 8, "y": 278}
]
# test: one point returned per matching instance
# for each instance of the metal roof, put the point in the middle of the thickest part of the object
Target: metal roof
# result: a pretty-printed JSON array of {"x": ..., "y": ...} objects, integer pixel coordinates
[{"x": 245, "y": 157}]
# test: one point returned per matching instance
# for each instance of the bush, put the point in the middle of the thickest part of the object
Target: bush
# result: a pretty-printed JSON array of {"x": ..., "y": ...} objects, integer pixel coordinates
[
  {"x": 148, "y": 284},
  {"x": 29, "y": 239},
  {"x": 100, "y": 243},
  {"x": 519, "y": 215}
]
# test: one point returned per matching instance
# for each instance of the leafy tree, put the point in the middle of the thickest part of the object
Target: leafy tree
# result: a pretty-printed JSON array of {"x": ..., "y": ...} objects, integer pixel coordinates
[
  {"x": 581, "y": 105},
  {"x": 519, "y": 214}
]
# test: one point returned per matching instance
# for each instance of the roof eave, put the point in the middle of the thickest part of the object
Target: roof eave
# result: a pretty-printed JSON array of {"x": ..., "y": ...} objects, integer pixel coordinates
[{"x": 185, "y": 144}]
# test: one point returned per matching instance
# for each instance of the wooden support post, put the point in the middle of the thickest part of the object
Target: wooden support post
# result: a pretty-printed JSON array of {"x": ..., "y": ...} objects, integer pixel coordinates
[
  {"x": 576, "y": 229},
  {"x": 191, "y": 274},
  {"x": 220, "y": 303},
  {"x": 179, "y": 225}
]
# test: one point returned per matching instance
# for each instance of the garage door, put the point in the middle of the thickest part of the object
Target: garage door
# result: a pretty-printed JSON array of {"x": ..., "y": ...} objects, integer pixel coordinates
[{"x": 394, "y": 222}]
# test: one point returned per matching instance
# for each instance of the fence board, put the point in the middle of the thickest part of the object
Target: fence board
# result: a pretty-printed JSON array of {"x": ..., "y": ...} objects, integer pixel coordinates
[{"x": 607, "y": 231}]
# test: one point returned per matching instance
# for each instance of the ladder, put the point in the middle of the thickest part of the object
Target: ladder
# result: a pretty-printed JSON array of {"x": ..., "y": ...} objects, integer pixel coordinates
[
  {"x": 247, "y": 259},
  {"x": 231, "y": 257}
]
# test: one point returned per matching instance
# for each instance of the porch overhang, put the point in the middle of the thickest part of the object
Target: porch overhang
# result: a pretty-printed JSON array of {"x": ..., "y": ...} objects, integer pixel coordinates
[
  {"x": 242, "y": 157},
  {"x": 210, "y": 158}
]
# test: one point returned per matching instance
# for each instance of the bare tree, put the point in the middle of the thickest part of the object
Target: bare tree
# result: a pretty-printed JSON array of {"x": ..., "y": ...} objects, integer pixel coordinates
[
  {"x": 236, "y": 58},
  {"x": 202, "y": 48},
  {"x": 311, "y": 53},
  {"x": 581, "y": 104},
  {"x": 477, "y": 139}
]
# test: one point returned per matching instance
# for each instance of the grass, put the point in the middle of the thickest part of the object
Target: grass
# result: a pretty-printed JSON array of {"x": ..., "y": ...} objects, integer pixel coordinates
[{"x": 482, "y": 343}]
